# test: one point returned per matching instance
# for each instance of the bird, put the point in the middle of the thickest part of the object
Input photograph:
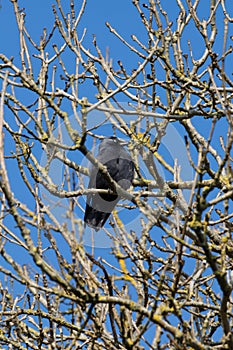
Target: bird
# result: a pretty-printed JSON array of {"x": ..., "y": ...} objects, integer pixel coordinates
[{"x": 120, "y": 167}]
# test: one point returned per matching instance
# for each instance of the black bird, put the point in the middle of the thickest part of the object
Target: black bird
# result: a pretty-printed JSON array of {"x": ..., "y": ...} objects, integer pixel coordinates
[{"x": 121, "y": 168}]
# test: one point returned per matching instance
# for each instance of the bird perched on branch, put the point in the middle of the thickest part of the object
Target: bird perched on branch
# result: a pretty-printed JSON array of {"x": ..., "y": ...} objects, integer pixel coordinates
[{"x": 120, "y": 167}]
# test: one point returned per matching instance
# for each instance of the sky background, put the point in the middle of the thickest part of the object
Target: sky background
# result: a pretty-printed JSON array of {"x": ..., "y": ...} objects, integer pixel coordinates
[{"x": 122, "y": 16}]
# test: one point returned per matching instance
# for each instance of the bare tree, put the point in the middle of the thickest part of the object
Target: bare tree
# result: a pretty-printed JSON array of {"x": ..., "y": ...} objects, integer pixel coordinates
[{"x": 162, "y": 279}]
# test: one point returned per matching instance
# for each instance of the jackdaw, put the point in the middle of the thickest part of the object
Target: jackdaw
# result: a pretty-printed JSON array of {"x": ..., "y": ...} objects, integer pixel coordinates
[{"x": 120, "y": 167}]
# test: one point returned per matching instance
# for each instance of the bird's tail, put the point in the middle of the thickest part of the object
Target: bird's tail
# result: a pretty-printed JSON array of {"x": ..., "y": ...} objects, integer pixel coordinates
[{"x": 95, "y": 218}]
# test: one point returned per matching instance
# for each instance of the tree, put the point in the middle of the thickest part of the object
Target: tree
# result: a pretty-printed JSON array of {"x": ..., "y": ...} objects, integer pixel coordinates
[{"x": 163, "y": 279}]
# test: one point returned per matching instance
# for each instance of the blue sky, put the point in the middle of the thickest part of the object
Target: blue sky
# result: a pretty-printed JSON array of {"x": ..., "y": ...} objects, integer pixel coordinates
[{"x": 123, "y": 17}]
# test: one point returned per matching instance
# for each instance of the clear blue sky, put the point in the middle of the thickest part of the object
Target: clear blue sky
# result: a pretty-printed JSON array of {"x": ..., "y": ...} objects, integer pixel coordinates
[{"x": 123, "y": 17}]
